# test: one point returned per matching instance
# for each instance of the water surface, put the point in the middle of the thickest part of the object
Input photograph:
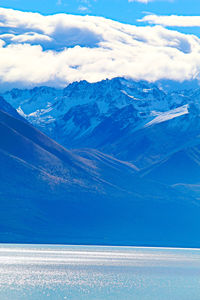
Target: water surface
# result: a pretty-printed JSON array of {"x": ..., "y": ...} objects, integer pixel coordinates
[{"x": 90, "y": 273}]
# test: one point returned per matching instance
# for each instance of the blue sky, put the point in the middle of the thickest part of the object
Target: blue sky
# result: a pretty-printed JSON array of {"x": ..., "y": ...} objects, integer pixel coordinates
[{"x": 120, "y": 10}]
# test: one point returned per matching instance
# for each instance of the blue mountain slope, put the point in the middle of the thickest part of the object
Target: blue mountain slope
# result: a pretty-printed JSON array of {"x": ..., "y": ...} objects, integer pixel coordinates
[
  {"x": 49, "y": 194},
  {"x": 6, "y": 107},
  {"x": 181, "y": 167}
]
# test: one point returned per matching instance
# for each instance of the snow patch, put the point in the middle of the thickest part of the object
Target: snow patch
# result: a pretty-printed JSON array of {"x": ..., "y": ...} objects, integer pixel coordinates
[{"x": 171, "y": 114}]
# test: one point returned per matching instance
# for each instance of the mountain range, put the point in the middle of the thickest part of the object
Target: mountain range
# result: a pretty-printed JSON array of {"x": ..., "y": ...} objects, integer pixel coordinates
[{"x": 115, "y": 162}]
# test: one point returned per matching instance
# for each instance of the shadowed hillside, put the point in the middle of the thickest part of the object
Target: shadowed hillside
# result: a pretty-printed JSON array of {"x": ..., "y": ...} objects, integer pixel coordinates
[{"x": 49, "y": 194}]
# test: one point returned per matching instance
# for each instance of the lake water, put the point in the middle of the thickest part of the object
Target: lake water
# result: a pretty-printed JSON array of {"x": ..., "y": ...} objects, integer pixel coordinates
[{"x": 98, "y": 273}]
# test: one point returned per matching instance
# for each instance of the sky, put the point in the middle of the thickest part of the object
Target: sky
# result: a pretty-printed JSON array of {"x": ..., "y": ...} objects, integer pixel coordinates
[{"x": 141, "y": 39}]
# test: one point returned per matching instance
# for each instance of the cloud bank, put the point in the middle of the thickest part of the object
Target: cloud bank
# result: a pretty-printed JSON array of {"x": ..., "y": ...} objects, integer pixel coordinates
[
  {"x": 58, "y": 49},
  {"x": 173, "y": 20}
]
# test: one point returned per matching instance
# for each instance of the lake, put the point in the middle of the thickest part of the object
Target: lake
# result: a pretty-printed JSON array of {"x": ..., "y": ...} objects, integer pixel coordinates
[{"x": 98, "y": 273}]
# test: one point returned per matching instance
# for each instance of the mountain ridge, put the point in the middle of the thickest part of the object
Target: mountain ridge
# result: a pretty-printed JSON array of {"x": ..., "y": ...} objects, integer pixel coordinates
[
  {"x": 110, "y": 114},
  {"x": 130, "y": 176}
]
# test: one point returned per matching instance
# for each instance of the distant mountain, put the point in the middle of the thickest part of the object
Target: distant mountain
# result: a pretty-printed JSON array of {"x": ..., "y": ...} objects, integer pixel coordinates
[
  {"x": 173, "y": 85},
  {"x": 53, "y": 195},
  {"x": 131, "y": 176},
  {"x": 133, "y": 121},
  {"x": 51, "y": 109}
]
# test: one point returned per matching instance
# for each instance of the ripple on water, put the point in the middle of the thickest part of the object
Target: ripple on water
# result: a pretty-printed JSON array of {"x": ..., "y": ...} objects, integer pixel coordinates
[{"x": 90, "y": 273}]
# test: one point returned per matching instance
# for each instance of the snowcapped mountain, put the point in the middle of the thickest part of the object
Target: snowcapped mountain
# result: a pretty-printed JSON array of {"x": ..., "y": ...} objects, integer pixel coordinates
[
  {"x": 48, "y": 107},
  {"x": 32, "y": 100},
  {"x": 134, "y": 121}
]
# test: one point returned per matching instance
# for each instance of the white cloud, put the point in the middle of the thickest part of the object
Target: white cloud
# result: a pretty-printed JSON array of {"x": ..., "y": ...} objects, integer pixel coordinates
[
  {"x": 142, "y": 1},
  {"x": 58, "y": 49},
  {"x": 173, "y": 20},
  {"x": 83, "y": 8}
]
